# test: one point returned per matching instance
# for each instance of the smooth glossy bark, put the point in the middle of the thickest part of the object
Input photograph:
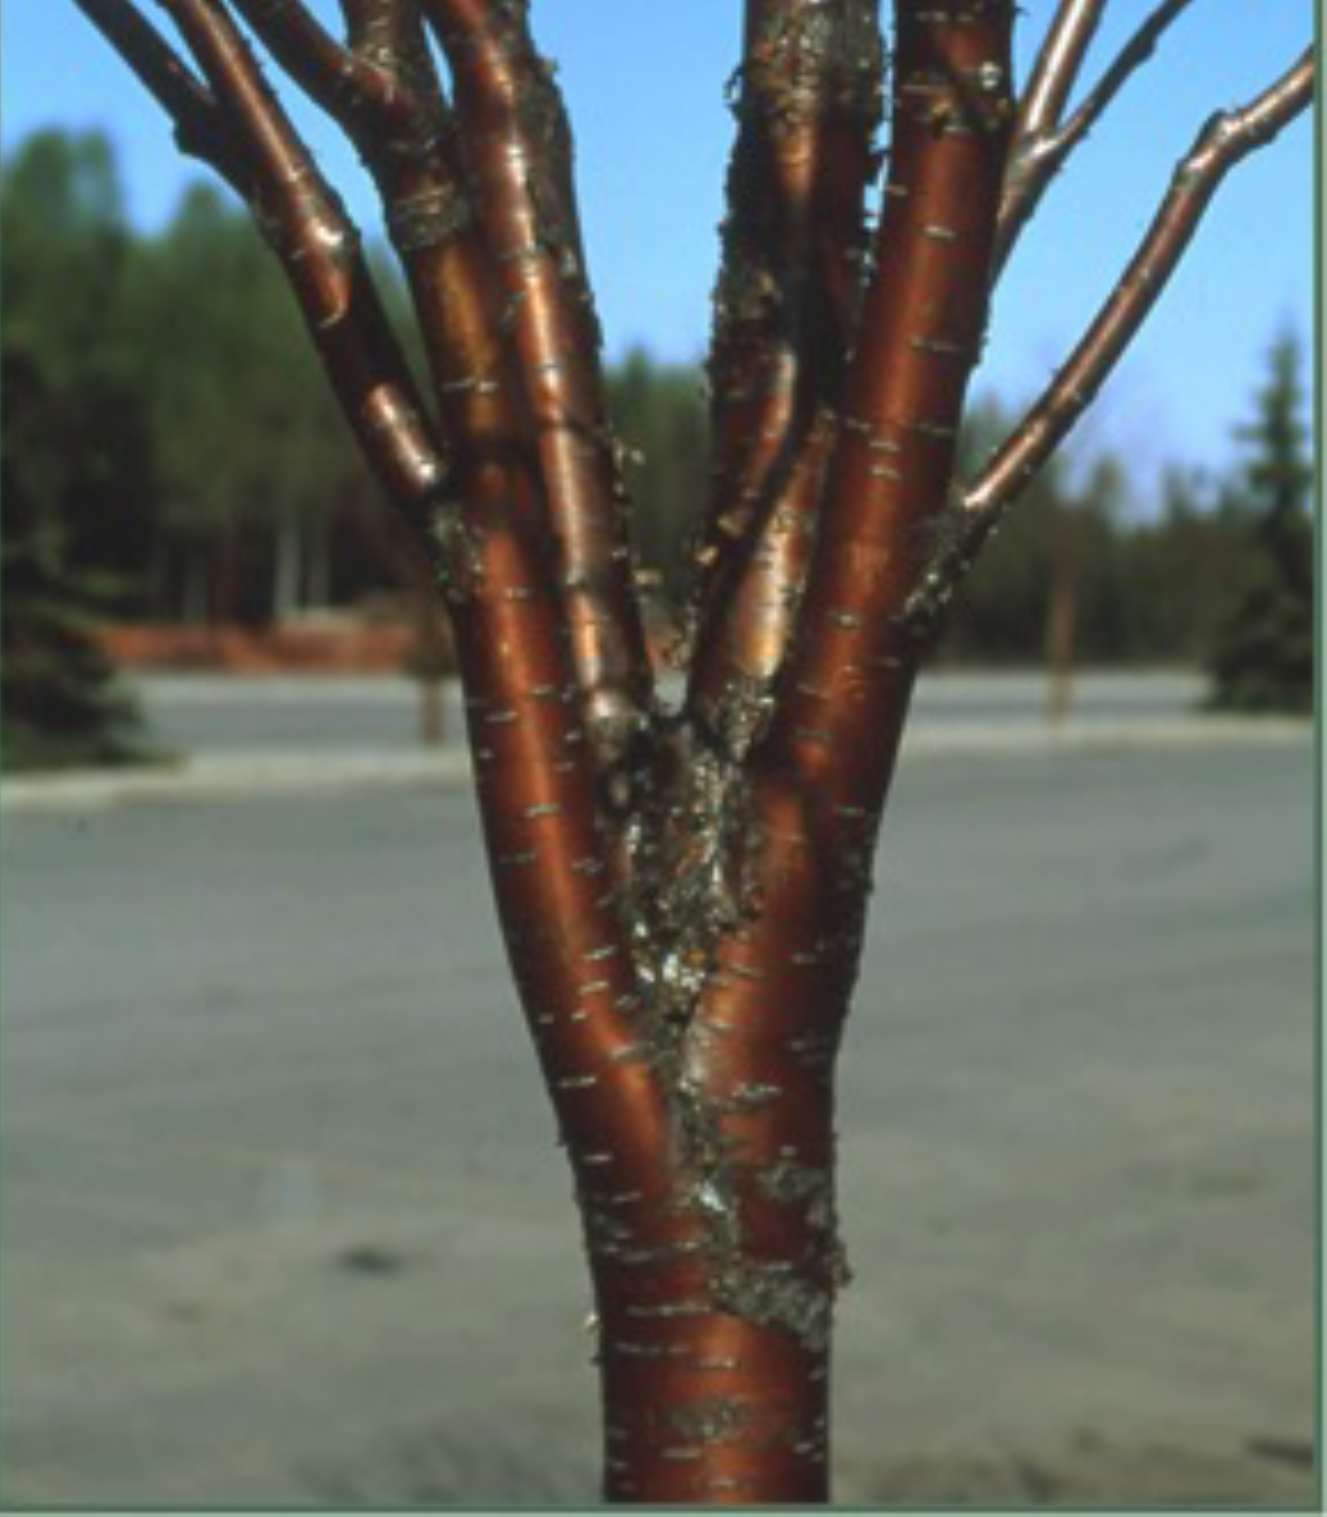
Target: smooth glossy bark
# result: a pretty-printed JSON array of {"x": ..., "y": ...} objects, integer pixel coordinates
[
  {"x": 790, "y": 286},
  {"x": 683, "y": 893}
]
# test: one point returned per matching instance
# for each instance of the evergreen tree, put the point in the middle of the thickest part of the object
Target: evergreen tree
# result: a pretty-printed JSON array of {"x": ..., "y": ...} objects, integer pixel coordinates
[
  {"x": 659, "y": 410},
  {"x": 76, "y": 474},
  {"x": 1186, "y": 571},
  {"x": 1061, "y": 532},
  {"x": 62, "y": 705},
  {"x": 252, "y": 458},
  {"x": 1263, "y": 660}
]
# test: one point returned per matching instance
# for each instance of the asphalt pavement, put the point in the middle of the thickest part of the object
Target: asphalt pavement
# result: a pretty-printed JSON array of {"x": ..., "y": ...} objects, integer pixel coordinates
[{"x": 284, "y": 1221}]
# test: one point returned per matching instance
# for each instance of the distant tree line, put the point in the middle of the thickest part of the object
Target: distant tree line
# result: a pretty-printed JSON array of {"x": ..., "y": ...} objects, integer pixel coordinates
[{"x": 169, "y": 448}]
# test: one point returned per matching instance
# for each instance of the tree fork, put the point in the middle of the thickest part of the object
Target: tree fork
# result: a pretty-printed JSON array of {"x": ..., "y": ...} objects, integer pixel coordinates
[
  {"x": 1042, "y": 141},
  {"x": 1225, "y": 139},
  {"x": 683, "y": 894},
  {"x": 769, "y": 917}
]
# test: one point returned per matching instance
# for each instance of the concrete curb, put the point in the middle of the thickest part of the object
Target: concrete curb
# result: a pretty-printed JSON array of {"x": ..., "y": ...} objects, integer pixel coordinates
[
  {"x": 247, "y": 774},
  {"x": 232, "y": 775},
  {"x": 1107, "y": 736}
]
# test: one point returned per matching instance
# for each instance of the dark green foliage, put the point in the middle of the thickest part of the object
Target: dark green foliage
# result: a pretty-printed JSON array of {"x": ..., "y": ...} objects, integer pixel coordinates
[
  {"x": 254, "y": 462},
  {"x": 1188, "y": 570},
  {"x": 661, "y": 416},
  {"x": 1057, "y": 539},
  {"x": 1160, "y": 588},
  {"x": 1264, "y": 654},
  {"x": 83, "y": 436},
  {"x": 62, "y": 705},
  {"x": 75, "y": 474}
]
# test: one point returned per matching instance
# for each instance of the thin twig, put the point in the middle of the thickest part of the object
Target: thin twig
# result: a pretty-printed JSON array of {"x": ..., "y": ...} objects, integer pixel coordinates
[
  {"x": 1228, "y": 137},
  {"x": 319, "y": 248},
  {"x": 1130, "y": 58},
  {"x": 1056, "y": 70},
  {"x": 200, "y": 131},
  {"x": 354, "y": 91},
  {"x": 1038, "y": 154}
]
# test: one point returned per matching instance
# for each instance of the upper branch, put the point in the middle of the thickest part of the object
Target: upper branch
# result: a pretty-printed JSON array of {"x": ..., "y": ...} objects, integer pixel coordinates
[
  {"x": 554, "y": 860},
  {"x": 786, "y": 304},
  {"x": 1058, "y": 65},
  {"x": 361, "y": 94},
  {"x": 319, "y": 249},
  {"x": 1043, "y": 141},
  {"x": 200, "y": 130},
  {"x": 840, "y": 709},
  {"x": 1228, "y": 137},
  {"x": 794, "y": 240},
  {"x": 1130, "y": 58},
  {"x": 516, "y": 154}
]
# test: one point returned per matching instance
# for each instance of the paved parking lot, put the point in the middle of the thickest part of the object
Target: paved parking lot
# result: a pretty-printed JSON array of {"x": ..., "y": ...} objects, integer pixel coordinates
[{"x": 284, "y": 1221}]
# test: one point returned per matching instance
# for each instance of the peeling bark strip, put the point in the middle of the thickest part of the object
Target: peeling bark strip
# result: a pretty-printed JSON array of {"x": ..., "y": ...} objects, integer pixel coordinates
[{"x": 683, "y": 893}]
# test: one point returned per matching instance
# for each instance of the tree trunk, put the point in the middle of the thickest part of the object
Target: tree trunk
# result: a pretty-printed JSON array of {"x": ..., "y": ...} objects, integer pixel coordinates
[
  {"x": 715, "y": 1307},
  {"x": 709, "y": 1205},
  {"x": 430, "y": 711},
  {"x": 709, "y": 1408},
  {"x": 683, "y": 893},
  {"x": 1061, "y": 618},
  {"x": 194, "y": 603},
  {"x": 287, "y": 554},
  {"x": 318, "y": 564}
]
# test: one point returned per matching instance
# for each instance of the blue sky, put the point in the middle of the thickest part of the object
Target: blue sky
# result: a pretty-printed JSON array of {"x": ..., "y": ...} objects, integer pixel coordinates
[{"x": 645, "y": 82}]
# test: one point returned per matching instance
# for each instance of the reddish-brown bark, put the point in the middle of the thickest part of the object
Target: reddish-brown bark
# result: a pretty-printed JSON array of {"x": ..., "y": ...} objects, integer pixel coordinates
[
  {"x": 786, "y": 305},
  {"x": 922, "y": 324},
  {"x": 517, "y": 159},
  {"x": 682, "y": 893}
]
